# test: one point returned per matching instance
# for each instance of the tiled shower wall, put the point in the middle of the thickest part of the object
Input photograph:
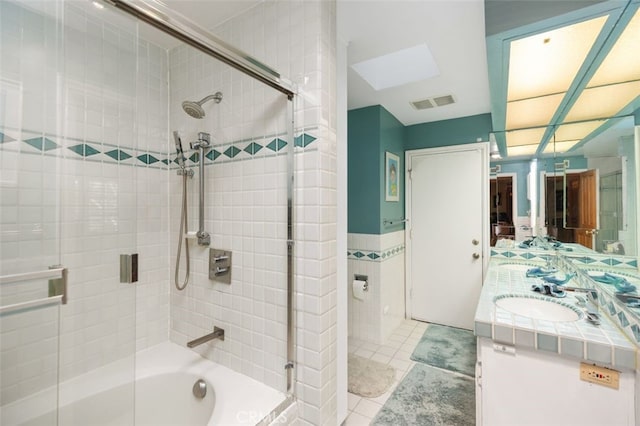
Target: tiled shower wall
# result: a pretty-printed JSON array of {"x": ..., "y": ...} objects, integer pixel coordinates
[
  {"x": 99, "y": 155},
  {"x": 83, "y": 131},
  {"x": 246, "y": 201},
  {"x": 381, "y": 259}
]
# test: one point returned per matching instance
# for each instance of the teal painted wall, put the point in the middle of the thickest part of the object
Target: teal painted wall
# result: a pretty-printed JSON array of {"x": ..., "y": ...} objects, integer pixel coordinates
[
  {"x": 371, "y": 132},
  {"x": 364, "y": 170},
  {"x": 392, "y": 135},
  {"x": 457, "y": 131}
]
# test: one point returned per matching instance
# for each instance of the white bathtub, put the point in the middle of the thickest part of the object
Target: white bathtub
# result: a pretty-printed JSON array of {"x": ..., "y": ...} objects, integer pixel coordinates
[{"x": 165, "y": 375}]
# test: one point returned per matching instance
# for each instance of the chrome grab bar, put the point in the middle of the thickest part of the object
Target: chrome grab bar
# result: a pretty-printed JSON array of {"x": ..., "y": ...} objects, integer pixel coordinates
[
  {"x": 55, "y": 272},
  {"x": 26, "y": 276}
]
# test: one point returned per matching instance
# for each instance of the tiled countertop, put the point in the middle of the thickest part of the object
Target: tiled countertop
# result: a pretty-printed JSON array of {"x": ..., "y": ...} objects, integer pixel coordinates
[{"x": 604, "y": 343}]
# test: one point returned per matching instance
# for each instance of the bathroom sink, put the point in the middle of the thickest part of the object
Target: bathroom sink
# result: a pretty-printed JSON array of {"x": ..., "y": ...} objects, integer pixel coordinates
[{"x": 537, "y": 308}]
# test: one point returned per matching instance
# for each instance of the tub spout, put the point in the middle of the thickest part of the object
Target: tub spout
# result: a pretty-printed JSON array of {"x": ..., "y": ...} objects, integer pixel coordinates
[{"x": 218, "y": 333}]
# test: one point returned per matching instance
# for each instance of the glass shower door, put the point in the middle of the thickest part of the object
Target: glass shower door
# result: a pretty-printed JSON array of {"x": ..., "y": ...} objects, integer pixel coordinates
[
  {"x": 68, "y": 154},
  {"x": 31, "y": 285},
  {"x": 98, "y": 215}
]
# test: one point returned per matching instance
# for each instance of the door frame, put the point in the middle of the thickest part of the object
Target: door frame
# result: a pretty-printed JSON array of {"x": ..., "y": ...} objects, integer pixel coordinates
[
  {"x": 408, "y": 156},
  {"x": 542, "y": 214},
  {"x": 514, "y": 190}
]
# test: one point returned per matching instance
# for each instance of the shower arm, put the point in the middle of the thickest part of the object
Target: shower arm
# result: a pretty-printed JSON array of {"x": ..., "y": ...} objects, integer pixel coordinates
[
  {"x": 202, "y": 145},
  {"x": 217, "y": 96}
]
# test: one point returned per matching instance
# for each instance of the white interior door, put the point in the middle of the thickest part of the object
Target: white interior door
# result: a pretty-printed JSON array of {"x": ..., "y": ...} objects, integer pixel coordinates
[{"x": 448, "y": 212}]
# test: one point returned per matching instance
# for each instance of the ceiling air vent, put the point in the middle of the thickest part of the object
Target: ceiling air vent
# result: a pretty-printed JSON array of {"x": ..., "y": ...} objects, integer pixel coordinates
[
  {"x": 425, "y": 104},
  {"x": 437, "y": 101},
  {"x": 443, "y": 100}
]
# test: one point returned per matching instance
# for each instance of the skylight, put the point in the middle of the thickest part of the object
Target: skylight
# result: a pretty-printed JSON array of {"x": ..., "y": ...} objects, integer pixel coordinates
[{"x": 398, "y": 68}]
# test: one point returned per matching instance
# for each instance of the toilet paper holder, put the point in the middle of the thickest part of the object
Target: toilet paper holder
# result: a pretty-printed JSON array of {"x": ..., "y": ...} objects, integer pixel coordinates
[{"x": 364, "y": 278}]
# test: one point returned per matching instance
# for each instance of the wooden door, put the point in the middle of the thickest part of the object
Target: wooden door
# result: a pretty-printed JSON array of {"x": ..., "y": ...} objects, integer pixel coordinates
[{"x": 587, "y": 208}]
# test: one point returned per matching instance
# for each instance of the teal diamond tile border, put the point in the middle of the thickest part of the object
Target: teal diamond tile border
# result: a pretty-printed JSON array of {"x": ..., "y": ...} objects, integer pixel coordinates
[
  {"x": 5, "y": 138},
  {"x": 213, "y": 154},
  {"x": 635, "y": 329},
  {"x": 276, "y": 145},
  {"x": 253, "y": 148},
  {"x": 84, "y": 150},
  {"x": 234, "y": 151},
  {"x": 374, "y": 255},
  {"x": 41, "y": 143},
  {"x": 622, "y": 315},
  {"x": 303, "y": 140},
  {"x": 147, "y": 159},
  {"x": 118, "y": 154}
]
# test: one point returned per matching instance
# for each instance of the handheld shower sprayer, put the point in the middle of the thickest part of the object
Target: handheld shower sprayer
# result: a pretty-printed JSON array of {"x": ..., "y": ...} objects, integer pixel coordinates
[{"x": 179, "y": 152}]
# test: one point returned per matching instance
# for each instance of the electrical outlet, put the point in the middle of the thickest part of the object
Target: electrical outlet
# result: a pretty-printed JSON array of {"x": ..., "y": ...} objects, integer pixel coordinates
[{"x": 600, "y": 375}]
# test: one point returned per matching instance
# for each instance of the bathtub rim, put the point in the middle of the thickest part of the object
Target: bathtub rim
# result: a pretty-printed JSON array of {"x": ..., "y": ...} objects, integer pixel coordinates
[{"x": 163, "y": 358}]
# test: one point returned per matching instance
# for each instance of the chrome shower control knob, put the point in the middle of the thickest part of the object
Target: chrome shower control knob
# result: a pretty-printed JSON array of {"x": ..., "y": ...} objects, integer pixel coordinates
[
  {"x": 476, "y": 255},
  {"x": 475, "y": 242}
]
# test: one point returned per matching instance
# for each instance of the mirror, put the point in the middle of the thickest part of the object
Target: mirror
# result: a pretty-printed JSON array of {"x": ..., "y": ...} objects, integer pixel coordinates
[
  {"x": 584, "y": 196},
  {"x": 598, "y": 199}
]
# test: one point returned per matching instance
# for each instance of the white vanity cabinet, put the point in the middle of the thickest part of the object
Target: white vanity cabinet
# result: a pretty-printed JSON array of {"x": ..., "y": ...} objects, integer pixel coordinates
[
  {"x": 522, "y": 386},
  {"x": 528, "y": 369}
]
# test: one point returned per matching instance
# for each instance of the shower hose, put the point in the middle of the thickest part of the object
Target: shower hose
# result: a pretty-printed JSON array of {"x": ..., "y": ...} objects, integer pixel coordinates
[{"x": 183, "y": 226}]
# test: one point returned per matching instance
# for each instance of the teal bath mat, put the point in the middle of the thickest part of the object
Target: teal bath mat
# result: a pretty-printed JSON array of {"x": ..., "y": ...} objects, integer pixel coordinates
[
  {"x": 447, "y": 347},
  {"x": 428, "y": 396}
]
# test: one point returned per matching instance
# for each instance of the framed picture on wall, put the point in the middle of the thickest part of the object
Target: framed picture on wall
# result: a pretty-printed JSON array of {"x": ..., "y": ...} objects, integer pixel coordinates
[{"x": 392, "y": 183}]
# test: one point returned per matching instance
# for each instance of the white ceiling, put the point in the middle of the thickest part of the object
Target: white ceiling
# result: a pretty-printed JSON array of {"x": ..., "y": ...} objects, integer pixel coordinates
[{"x": 454, "y": 31}]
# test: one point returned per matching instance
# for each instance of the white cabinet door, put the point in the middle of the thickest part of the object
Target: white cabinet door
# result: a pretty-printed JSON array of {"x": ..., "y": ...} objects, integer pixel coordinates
[{"x": 516, "y": 387}]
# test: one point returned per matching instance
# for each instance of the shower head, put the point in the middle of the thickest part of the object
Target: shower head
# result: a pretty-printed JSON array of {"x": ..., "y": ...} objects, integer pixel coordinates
[
  {"x": 195, "y": 110},
  {"x": 178, "y": 141}
]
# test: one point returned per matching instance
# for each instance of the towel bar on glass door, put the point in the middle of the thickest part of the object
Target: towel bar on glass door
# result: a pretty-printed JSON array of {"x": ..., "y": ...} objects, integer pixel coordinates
[{"x": 56, "y": 272}]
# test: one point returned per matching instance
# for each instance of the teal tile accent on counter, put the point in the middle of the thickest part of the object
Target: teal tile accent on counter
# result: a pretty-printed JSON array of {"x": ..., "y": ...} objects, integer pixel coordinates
[
  {"x": 599, "y": 353},
  {"x": 503, "y": 334},
  {"x": 566, "y": 338},
  {"x": 482, "y": 329},
  {"x": 571, "y": 347},
  {"x": 525, "y": 338},
  {"x": 618, "y": 312},
  {"x": 624, "y": 357},
  {"x": 547, "y": 343}
]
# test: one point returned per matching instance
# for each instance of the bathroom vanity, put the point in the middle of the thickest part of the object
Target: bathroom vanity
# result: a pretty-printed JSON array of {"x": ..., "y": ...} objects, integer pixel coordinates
[{"x": 536, "y": 352}]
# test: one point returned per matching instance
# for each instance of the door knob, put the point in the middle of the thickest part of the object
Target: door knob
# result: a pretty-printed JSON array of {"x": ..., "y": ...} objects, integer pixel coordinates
[
  {"x": 475, "y": 242},
  {"x": 476, "y": 255}
]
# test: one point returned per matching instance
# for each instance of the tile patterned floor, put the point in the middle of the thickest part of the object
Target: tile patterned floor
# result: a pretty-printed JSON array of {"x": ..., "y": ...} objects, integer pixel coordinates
[{"x": 395, "y": 352}]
